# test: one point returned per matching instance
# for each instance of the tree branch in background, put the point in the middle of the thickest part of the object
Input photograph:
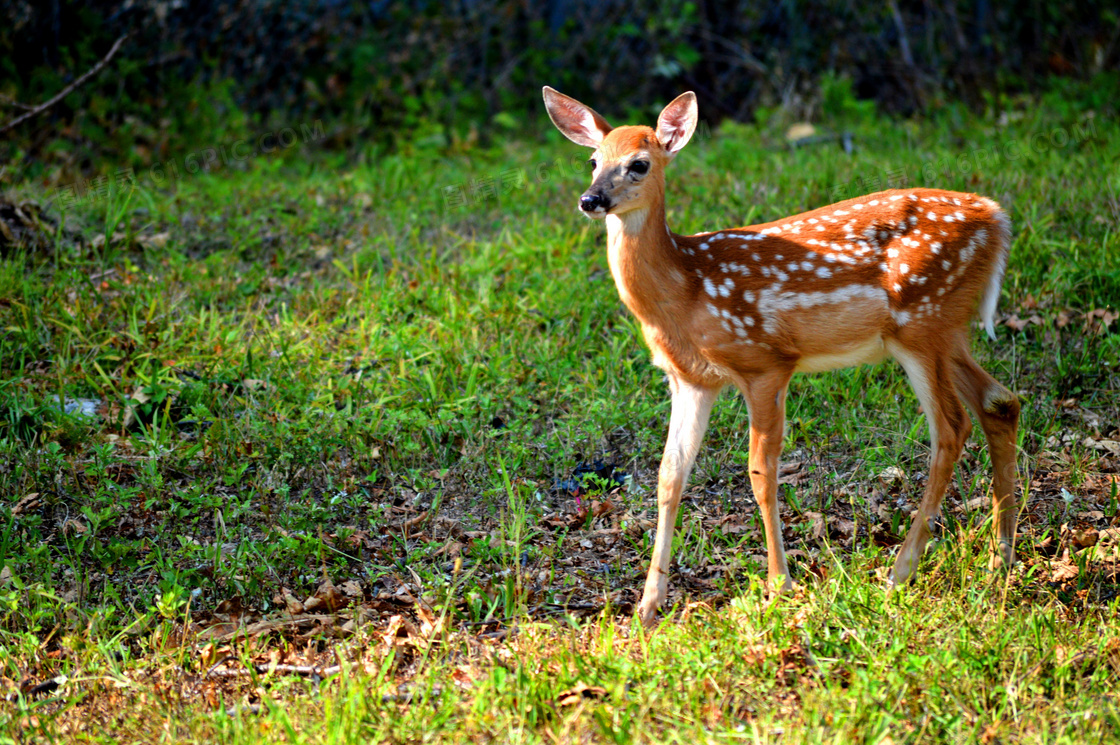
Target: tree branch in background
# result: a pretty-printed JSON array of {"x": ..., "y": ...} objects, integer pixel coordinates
[
  {"x": 903, "y": 40},
  {"x": 9, "y": 101},
  {"x": 65, "y": 91}
]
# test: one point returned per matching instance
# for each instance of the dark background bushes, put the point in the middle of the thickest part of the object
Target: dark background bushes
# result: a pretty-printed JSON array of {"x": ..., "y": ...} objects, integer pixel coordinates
[{"x": 452, "y": 74}]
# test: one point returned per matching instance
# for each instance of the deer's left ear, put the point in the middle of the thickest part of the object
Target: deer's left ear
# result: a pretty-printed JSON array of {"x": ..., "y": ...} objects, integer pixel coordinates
[{"x": 677, "y": 123}]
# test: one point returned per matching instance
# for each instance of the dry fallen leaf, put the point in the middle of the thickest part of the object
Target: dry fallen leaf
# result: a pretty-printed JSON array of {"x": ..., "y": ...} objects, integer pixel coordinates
[
  {"x": 600, "y": 508},
  {"x": 1085, "y": 538},
  {"x": 892, "y": 475},
  {"x": 1109, "y": 535},
  {"x": 293, "y": 605},
  {"x": 452, "y": 549},
  {"x": 401, "y": 632},
  {"x": 26, "y": 503},
  {"x": 1018, "y": 324},
  {"x": 74, "y": 527},
  {"x": 326, "y": 597},
  {"x": 99, "y": 239},
  {"x": 733, "y": 525},
  {"x": 1062, "y": 571},
  {"x": 819, "y": 527},
  {"x": 978, "y": 503},
  {"x": 1100, "y": 319},
  {"x": 208, "y": 655},
  {"x": 579, "y": 692},
  {"x": 158, "y": 240},
  {"x": 1110, "y": 446},
  {"x": 791, "y": 467},
  {"x": 415, "y": 522}
]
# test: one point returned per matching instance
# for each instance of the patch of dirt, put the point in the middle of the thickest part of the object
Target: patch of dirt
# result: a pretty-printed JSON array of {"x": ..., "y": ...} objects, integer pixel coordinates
[{"x": 586, "y": 550}]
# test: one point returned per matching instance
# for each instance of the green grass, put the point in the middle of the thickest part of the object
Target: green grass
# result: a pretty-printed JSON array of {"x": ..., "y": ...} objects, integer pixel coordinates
[{"x": 320, "y": 369}]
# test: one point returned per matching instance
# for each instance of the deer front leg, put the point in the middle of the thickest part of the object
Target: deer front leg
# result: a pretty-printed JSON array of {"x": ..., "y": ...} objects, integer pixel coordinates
[
  {"x": 766, "y": 399},
  {"x": 692, "y": 405}
]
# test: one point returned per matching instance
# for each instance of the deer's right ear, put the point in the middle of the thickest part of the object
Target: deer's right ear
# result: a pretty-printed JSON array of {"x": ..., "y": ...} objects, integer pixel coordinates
[{"x": 577, "y": 122}]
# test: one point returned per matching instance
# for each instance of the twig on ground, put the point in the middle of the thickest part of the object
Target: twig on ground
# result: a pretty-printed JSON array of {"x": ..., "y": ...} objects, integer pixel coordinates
[
  {"x": 264, "y": 667},
  {"x": 407, "y": 696},
  {"x": 547, "y": 609},
  {"x": 254, "y": 709}
]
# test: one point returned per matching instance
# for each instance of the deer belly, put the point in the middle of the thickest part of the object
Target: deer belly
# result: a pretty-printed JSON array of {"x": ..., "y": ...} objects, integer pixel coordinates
[{"x": 866, "y": 351}]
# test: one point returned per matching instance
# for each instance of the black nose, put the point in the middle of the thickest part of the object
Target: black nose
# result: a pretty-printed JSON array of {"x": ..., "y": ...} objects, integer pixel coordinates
[{"x": 592, "y": 202}]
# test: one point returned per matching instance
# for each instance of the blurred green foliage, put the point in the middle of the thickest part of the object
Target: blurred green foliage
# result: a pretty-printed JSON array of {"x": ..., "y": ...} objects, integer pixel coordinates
[{"x": 450, "y": 76}]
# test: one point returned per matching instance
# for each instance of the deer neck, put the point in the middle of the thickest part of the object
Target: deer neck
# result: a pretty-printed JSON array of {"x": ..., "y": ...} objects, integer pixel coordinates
[{"x": 644, "y": 261}]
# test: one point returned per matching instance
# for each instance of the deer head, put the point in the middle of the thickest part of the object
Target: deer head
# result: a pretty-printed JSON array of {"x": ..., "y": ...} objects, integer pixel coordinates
[{"x": 628, "y": 165}]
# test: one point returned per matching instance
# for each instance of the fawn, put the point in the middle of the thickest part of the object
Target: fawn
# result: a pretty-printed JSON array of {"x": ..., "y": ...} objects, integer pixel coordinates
[{"x": 896, "y": 273}]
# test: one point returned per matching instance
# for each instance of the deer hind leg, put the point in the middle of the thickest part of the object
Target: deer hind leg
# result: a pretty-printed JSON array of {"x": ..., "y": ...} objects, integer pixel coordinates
[
  {"x": 949, "y": 427},
  {"x": 997, "y": 409},
  {"x": 691, "y": 408},
  {"x": 766, "y": 400}
]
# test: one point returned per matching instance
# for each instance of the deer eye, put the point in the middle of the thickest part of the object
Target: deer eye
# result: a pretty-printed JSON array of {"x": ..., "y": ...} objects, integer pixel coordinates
[
  {"x": 639, "y": 166},
  {"x": 593, "y": 164}
]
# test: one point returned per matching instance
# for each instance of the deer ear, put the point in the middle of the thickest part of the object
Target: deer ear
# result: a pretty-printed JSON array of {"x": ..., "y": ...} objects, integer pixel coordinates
[
  {"x": 577, "y": 122},
  {"x": 677, "y": 123}
]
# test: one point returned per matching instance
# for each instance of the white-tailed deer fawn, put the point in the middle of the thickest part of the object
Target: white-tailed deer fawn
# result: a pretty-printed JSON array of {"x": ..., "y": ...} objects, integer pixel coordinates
[{"x": 896, "y": 273}]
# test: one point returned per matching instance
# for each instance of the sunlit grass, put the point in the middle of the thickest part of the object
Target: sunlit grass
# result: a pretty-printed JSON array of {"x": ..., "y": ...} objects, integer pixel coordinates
[{"x": 294, "y": 360}]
